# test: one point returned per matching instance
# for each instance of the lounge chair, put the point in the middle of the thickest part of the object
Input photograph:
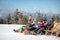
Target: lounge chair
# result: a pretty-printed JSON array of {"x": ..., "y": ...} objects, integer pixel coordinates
[
  {"x": 52, "y": 29},
  {"x": 57, "y": 30}
]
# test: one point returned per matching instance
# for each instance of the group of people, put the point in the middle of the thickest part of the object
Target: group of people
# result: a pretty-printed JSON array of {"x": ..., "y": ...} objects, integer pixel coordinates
[{"x": 37, "y": 27}]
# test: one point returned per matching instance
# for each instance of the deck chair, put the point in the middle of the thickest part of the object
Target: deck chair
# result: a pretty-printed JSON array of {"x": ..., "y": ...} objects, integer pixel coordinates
[
  {"x": 57, "y": 30},
  {"x": 47, "y": 31}
]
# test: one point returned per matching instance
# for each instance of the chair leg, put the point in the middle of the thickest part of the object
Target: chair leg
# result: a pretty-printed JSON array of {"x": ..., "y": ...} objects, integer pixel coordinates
[
  {"x": 46, "y": 33},
  {"x": 57, "y": 34},
  {"x": 54, "y": 33}
]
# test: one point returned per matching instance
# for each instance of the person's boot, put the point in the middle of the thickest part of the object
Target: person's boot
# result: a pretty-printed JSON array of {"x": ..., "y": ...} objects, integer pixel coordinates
[{"x": 15, "y": 30}]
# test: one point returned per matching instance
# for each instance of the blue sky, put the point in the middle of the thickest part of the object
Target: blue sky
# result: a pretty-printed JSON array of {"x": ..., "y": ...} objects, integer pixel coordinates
[{"x": 44, "y": 6}]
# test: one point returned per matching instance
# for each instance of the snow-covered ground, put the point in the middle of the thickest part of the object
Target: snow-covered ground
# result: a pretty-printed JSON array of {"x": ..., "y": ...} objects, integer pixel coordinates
[{"x": 6, "y": 33}]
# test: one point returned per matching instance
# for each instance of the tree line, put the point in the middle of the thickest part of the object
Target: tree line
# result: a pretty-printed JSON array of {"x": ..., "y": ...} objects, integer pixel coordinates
[{"x": 22, "y": 18}]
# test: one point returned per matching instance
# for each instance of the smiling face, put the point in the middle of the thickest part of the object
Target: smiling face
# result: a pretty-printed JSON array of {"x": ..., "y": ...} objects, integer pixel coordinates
[{"x": 40, "y": 22}]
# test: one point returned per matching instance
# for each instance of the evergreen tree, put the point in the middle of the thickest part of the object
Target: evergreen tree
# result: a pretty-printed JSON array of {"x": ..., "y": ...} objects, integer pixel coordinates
[
  {"x": 38, "y": 16},
  {"x": 23, "y": 19},
  {"x": 1, "y": 20},
  {"x": 8, "y": 18},
  {"x": 15, "y": 17}
]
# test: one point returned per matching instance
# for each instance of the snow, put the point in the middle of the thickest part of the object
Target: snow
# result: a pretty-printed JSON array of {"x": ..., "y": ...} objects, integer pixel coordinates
[{"x": 7, "y": 33}]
